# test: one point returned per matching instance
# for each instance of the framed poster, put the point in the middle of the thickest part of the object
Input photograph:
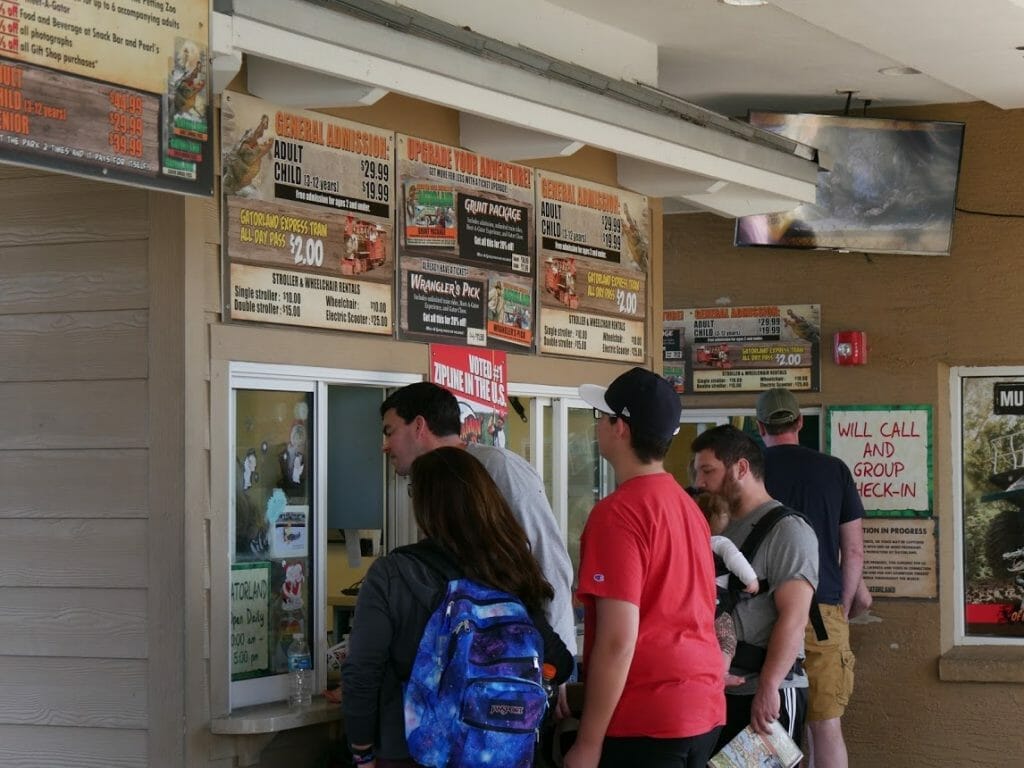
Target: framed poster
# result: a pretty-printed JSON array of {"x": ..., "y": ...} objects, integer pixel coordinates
[
  {"x": 743, "y": 349},
  {"x": 113, "y": 90},
  {"x": 988, "y": 462},
  {"x": 594, "y": 244},
  {"x": 308, "y": 216},
  {"x": 467, "y": 266}
]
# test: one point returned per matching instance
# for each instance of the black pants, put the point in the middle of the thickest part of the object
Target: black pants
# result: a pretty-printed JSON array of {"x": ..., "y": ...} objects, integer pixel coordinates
[
  {"x": 640, "y": 751},
  {"x": 792, "y": 712}
]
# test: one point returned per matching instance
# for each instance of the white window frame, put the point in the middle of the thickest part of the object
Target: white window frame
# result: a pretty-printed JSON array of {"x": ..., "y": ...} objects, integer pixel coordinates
[
  {"x": 560, "y": 400},
  {"x": 245, "y": 375}
]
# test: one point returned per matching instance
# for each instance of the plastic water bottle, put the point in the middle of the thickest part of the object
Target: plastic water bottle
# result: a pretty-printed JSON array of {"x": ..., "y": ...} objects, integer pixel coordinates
[{"x": 300, "y": 668}]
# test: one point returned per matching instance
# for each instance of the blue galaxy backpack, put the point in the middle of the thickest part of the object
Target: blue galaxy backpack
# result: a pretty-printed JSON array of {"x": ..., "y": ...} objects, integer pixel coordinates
[{"x": 474, "y": 696}]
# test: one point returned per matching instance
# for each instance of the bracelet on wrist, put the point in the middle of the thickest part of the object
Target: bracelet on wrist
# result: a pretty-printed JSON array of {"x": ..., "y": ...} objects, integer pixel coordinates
[{"x": 362, "y": 756}]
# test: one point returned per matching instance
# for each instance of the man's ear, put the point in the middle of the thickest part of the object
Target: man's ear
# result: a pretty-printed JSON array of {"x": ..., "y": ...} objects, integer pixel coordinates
[
  {"x": 621, "y": 428},
  {"x": 742, "y": 468},
  {"x": 761, "y": 430},
  {"x": 799, "y": 422}
]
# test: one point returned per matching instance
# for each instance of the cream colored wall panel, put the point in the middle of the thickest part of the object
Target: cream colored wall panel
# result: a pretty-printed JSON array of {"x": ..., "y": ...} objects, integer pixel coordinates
[
  {"x": 64, "y": 209},
  {"x": 211, "y": 216},
  {"x": 88, "y": 414},
  {"x": 73, "y": 346},
  {"x": 33, "y": 746},
  {"x": 101, "y": 483},
  {"x": 73, "y": 553},
  {"x": 70, "y": 277},
  {"x": 88, "y": 623},
  {"x": 90, "y": 693},
  {"x": 212, "y": 296}
]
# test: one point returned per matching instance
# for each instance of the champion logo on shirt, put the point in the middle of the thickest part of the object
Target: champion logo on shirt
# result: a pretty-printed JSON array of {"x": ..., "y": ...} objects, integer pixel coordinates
[{"x": 598, "y": 577}]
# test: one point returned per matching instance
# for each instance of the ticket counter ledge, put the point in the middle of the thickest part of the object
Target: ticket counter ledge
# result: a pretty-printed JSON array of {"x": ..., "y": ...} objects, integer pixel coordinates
[{"x": 255, "y": 727}]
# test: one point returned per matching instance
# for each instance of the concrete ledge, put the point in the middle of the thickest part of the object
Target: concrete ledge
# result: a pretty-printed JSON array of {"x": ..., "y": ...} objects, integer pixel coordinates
[
  {"x": 255, "y": 727},
  {"x": 983, "y": 664}
]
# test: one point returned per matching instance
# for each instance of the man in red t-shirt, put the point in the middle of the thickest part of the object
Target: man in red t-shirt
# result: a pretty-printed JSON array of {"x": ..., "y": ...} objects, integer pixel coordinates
[{"x": 654, "y": 692}]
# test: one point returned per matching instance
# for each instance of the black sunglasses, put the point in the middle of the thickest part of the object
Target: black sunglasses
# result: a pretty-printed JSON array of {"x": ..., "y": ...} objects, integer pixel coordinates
[{"x": 612, "y": 417}]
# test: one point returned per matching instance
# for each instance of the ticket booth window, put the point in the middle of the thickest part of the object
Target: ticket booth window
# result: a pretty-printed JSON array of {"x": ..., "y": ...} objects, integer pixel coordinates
[{"x": 273, "y": 558}]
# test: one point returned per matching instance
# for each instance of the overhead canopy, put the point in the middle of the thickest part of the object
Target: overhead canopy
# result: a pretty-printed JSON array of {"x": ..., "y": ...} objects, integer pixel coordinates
[{"x": 515, "y": 103}]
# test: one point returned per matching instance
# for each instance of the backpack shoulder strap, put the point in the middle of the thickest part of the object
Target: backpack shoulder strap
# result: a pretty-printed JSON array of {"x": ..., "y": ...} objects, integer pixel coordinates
[
  {"x": 753, "y": 541},
  {"x": 763, "y": 527}
]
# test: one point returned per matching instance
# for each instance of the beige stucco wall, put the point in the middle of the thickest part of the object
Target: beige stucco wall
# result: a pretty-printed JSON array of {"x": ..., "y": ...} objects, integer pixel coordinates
[{"x": 921, "y": 315}]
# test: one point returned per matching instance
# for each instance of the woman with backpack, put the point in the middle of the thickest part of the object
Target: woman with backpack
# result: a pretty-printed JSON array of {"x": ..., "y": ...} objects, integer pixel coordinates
[{"x": 406, "y": 666}]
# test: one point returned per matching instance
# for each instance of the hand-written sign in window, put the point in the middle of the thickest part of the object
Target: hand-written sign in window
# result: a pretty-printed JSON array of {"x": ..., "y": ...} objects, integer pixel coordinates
[
  {"x": 250, "y": 606},
  {"x": 888, "y": 450}
]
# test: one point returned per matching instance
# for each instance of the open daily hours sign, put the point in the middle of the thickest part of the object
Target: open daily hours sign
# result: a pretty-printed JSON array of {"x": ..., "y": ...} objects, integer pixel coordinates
[
  {"x": 888, "y": 449},
  {"x": 250, "y": 619},
  {"x": 116, "y": 89}
]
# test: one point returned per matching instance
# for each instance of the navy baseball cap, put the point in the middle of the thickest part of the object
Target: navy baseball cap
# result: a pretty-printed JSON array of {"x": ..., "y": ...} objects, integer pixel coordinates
[{"x": 648, "y": 402}]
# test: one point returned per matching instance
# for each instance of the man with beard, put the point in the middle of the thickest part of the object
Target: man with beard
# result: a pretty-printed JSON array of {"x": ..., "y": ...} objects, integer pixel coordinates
[{"x": 769, "y": 625}]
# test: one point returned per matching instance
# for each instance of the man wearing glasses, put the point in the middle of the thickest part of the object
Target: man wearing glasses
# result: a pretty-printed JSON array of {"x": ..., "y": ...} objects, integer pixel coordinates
[
  {"x": 421, "y": 417},
  {"x": 653, "y": 668}
]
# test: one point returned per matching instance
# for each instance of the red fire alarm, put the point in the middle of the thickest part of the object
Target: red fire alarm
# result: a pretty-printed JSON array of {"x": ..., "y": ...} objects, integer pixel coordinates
[{"x": 850, "y": 348}]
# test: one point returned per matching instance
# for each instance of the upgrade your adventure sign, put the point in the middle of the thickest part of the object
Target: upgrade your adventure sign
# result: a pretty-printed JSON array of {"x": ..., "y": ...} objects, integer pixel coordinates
[
  {"x": 594, "y": 245},
  {"x": 308, "y": 218},
  {"x": 467, "y": 265},
  {"x": 115, "y": 89}
]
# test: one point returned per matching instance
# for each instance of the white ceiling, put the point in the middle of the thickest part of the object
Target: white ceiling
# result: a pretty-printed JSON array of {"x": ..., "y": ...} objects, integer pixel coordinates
[{"x": 793, "y": 55}]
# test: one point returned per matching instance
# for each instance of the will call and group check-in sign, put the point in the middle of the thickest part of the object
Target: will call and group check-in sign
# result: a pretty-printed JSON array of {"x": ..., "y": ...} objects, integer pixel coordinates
[{"x": 116, "y": 89}]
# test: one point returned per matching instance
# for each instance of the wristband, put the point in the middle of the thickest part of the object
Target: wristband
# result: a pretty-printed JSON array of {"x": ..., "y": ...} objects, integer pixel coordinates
[{"x": 362, "y": 756}]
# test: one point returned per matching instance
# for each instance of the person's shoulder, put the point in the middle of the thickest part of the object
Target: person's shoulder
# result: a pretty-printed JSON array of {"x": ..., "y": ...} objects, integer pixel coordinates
[
  {"x": 795, "y": 527},
  {"x": 496, "y": 459}
]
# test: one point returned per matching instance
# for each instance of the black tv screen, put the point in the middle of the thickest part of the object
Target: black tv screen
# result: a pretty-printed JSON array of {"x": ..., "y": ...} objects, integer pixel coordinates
[{"x": 891, "y": 187}]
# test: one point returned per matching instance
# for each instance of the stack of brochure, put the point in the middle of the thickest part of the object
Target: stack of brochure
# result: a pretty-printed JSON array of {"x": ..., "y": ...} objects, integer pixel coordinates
[{"x": 754, "y": 750}]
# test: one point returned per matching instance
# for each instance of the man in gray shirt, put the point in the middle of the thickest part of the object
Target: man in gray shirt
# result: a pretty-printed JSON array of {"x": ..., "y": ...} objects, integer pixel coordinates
[
  {"x": 423, "y": 416},
  {"x": 769, "y": 625}
]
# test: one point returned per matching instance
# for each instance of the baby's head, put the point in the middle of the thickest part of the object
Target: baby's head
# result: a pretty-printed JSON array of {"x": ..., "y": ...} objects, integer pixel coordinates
[{"x": 715, "y": 509}]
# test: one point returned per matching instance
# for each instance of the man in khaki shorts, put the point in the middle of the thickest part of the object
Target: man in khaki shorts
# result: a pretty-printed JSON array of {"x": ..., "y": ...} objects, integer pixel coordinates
[{"x": 821, "y": 487}]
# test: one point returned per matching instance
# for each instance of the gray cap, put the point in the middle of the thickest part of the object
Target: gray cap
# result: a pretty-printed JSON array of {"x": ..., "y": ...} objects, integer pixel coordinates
[{"x": 777, "y": 406}]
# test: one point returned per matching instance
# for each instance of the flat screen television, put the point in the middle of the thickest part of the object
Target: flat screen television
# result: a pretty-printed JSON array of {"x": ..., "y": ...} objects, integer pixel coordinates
[{"x": 891, "y": 187}]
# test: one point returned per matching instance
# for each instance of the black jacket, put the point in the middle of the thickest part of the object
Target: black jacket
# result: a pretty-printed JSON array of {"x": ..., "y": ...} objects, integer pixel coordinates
[{"x": 396, "y": 598}]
